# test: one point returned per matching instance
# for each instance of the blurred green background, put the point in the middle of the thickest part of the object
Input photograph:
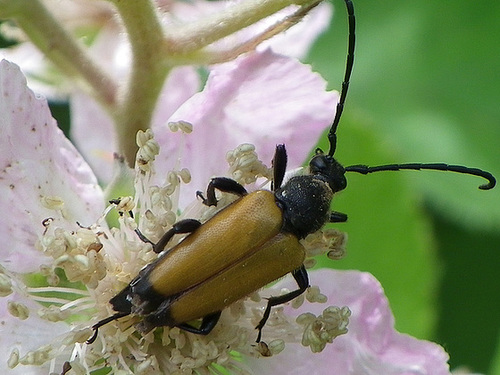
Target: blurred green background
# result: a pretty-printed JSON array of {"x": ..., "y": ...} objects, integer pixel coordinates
[{"x": 425, "y": 88}]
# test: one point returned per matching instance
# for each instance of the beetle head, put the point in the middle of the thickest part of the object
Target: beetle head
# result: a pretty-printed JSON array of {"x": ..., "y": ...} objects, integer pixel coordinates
[{"x": 329, "y": 170}]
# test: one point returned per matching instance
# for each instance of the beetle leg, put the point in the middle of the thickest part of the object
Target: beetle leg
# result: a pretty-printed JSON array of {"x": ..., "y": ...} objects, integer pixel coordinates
[
  {"x": 183, "y": 226},
  {"x": 337, "y": 217},
  {"x": 300, "y": 276},
  {"x": 207, "y": 324},
  {"x": 279, "y": 166},
  {"x": 224, "y": 184},
  {"x": 143, "y": 238}
]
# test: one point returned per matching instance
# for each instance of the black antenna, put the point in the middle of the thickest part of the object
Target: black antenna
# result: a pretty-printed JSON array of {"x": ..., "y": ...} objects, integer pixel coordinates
[
  {"x": 364, "y": 169},
  {"x": 332, "y": 135}
]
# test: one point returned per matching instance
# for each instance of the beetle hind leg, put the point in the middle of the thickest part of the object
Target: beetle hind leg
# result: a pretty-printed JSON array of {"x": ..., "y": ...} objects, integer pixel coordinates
[
  {"x": 224, "y": 184},
  {"x": 207, "y": 324},
  {"x": 300, "y": 276}
]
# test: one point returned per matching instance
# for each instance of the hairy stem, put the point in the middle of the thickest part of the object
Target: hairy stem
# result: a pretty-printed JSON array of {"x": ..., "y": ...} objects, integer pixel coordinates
[
  {"x": 192, "y": 37},
  {"x": 149, "y": 70}
]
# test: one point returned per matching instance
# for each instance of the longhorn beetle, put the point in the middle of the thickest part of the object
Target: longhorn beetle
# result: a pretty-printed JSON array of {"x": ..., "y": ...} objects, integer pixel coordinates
[{"x": 251, "y": 242}]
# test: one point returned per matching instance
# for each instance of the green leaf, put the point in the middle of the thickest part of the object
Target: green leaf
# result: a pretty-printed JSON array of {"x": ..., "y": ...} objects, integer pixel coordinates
[
  {"x": 423, "y": 73},
  {"x": 495, "y": 368},
  {"x": 425, "y": 84}
]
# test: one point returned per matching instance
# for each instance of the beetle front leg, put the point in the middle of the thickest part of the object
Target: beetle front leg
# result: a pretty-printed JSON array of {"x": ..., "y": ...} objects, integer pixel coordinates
[
  {"x": 300, "y": 276},
  {"x": 337, "y": 217},
  {"x": 183, "y": 226},
  {"x": 279, "y": 167},
  {"x": 224, "y": 184}
]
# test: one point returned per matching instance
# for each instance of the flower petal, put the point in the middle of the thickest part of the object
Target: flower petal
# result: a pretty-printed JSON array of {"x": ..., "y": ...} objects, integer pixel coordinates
[
  {"x": 25, "y": 335},
  {"x": 112, "y": 49},
  {"x": 295, "y": 42},
  {"x": 88, "y": 117},
  {"x": 298, "y": 39},
  {"x": 34, "y": 65},
  {"x": 263, "y": 99},
  {"x": 371, "y": 347},
  {"x": 37, "y": 162}
]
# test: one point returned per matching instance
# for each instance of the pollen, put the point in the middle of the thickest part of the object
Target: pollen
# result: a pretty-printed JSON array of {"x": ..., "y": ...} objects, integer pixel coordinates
[
  {"x": 185, "y": 175},
  {"x": 52, "y": 202},
  {"x": 13, "y": 360},
  {"x": 37, "y": 357},
  {"x": 148, "y": 150},
  {"x": 184, "y": 126},
  {"x": 53, "y": 313},
  {"x": 124, "y": 204},
  {"x": 313, "y": 295},
  {"x": 329, "y": 241},
  {"x": 78, "y": 253},
  {"x": 322, "y": 329},
  {"x": 5, "y": 284},
  {"x": 245, "y": 166},
  {"x": 273, "y": 348},
  {"x": 18, "y": 310}
]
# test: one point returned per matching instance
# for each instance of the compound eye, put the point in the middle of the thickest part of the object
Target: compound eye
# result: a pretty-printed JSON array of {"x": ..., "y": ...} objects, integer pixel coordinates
[
  {"x": 338, "y": 183},
  {"x": 318, "y": 164}
]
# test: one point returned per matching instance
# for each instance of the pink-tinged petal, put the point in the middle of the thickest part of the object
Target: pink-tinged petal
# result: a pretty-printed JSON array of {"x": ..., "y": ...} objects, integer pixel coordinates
[
  {"x": 297, "y": 41},
  {"x": 36, "y": 161},
  {"x": 34, "y": 65},
  {"x": 94, "y": 134},
  {"x": 112, "y": 50},
  {"x": 263, "y": 99},
  {"x": 25, "y": 335},
  {"x": 181, "y": 84},
  {"x": 92, "y": 128},
  {"x": 76, "y": 14},
  {"x": 371, "y": 346}
]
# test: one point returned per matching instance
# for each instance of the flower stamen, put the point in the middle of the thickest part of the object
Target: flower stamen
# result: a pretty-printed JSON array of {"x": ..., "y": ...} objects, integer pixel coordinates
[
  {"x": 245, "y": 166},
  {"x": 322, "y": 329}
]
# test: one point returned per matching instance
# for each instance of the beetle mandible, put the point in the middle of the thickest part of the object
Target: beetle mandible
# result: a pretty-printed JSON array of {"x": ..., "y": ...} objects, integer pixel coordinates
[{"x": 250, "y": 243}]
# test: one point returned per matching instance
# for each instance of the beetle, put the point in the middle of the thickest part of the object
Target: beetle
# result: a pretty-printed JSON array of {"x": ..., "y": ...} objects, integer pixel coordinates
[{"x": 248, "y": 244}]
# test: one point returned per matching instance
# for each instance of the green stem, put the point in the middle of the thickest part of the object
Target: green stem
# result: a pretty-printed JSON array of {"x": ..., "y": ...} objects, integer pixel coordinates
[
  {"x": 149, "y": 70},
  {"x": 154, "y": 53},
  {"x": 59, "y": 46}
]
